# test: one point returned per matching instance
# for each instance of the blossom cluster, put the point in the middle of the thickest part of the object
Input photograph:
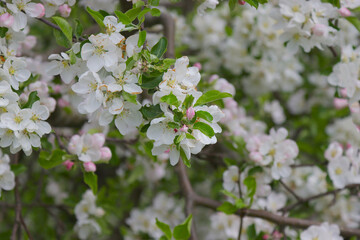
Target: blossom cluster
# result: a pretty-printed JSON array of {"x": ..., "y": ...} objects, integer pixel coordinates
[
  {"x": 7, "y": 177},
  {"x": 86, "y": 213}
]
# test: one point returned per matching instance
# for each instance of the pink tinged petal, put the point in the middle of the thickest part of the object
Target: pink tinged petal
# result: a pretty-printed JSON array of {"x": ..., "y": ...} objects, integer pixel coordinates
[
  {"x": 35, "y": 10},
  {"x": 105, "y": 153},
  {"x": 6, "y": 20},
  {"x": 89, "y": 166},
  {"x": 68, "y": 164}
]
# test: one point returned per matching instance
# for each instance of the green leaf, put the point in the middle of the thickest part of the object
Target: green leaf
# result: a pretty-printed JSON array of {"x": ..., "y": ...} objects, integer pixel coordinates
[
  {"x": 232, "y": 4},
  {"x": 188, "y": 101},
  {"x": 90, "y": 179},
  {"x": 336, "y": 3},
  {"x": 123, "y": 18},
  {"x": 61, "y": 39},
  {"x": 253, "y": 3},
  {"x": 229, "y": 161},
  {"x": 154, "y": 2},
  {"x": 64, "y": 26},
  {"x": 179, "y": 138},
  {"x": 251, "y": 232},
  {"x": 229, "y": 194},
  {"x": 47, "y": 160},
  {"x": 354, "y": 21},
  {"x": 33, "y": 97},
  {"x": 159, "y": 48},
  {"x": 265, "y": 1},
  {"x": 152, "y": 111},
  {"x": 170, "y": 99},
  {"x": 185, "y": 160},
  {"x": 204, "y": 115},
  {"x": 250, "y": 183},
  {"x": 72, "y": 57},
  {"x": 142, "y": 38},
  {"x": 143, "y": 12},
  {"x": 151, "y": 82},
  {"x": 97, "y": 16},
  {"x": 164, "y": 228},
  {"x": 173, "y": 125},
  {"x": 227, "y": 208},
  {"x": 239, "y": 203},
  {"x": 204, "y": 128},
  {"x": 211, "y": 96},
  {"x": 3, "y": 31},
  {"x": 133, "y": 13},
  {"x": 189, "y": 136},
  {"x": 18, "y": 168},
  {"x": 155, "y": 12},
  {"x": 78, "y": 28},
  {"x": 183, "y": 231},
  {"x": 129, "y": 97}
]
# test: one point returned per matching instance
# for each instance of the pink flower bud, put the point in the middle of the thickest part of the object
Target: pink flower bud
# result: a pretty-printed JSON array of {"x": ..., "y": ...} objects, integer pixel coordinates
[
  {"x": 68, "y": 164},
  {"x": 343, "y": 92},
  {"x": 340, "y": 103},
  {"x": 213, "y": 78},
  {"x": 30, "y": 42},
  {"x": 266, "y": 236},
  {"x": 105, "y": 153},
  {"x": 74, "y": 142},
  {"x": 89, "y": 166},
  {"x": 98, "y": 139},
  {"x": 184, "y": 128},
  {"x": 167, "y": 151},
  {"x": 65, "y": 10},
  {"x": 344, "y": 12},
  {"x": 24, "y": 97},
  {"x": 241, "y": 2},
  {"x": 57, "y": 88},
  {"x": 62, "y": 103},
  {"x": 190, "y": 113},
  {"x": 320, "y": 29},
  {"x": 198, "y": 65},
  {"x": 277, "y": 235},
  {"x": 6, "y": 20}
]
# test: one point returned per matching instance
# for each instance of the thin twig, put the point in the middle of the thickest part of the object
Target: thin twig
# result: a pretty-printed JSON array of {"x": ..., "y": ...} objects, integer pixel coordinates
[{"x": 291, "y": 191}]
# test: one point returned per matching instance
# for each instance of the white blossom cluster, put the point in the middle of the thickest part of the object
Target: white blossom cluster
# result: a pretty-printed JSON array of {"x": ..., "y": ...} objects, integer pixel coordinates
[
  {"x": 181, "y": 82},
  {"x": 7, "y": 177},
  {"x": 164, "y": 208},
  {"x": 274, "y": 151},
  {"x": 20, "y": 127},
  {"x": 323, "y": 232},
  {"x": 344, "y": 166},
  {"x": 86, "y": 213}
]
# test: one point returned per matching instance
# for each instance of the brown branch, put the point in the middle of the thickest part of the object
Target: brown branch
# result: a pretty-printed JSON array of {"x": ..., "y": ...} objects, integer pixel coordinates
[
  {"x": 302, "y": 201},
  {"x": 291, "y": 191},
  {"x": 188, "y": 193},
  {"x": 271, "y": 217}
]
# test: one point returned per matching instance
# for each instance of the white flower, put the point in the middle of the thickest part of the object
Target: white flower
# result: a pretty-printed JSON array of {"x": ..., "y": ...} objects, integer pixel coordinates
[
  {"x": 7, "y": 96},
  {"x": 89, "y": 85},
  {"x": 273, "y": 202},
  {"x": 101, "y": 52},
  {"x": 20, "y": 18},
  {"x": 16, "y": 69},
  {"x": 113, "y": 28},
  {"x": 7, "y": 179},
  {"x": 207, "y": 4},
  {"x": 339, "y": 171},
  {"x": 39, "y": 113},
  {"x": 323, "y": 232},
  {"x": 61, "y": 65},
  {"x": 16, "y": 119},
  {"x": 334, "y": 151},
  {"x": 129, "y": 118},
  {"x": 160, "y": 131},
  {"x": 231, "y": 178}
]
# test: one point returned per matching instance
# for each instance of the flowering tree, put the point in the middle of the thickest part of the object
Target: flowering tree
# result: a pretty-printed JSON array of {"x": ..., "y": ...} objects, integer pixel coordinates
[{"x": 179, "y": 120}]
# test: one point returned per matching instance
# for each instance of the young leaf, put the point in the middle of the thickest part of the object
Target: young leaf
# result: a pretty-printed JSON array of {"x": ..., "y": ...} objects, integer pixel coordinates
[
  {"x": 153, "y": 111},
  {"x": 170, "y": 99},
  {"x": 47, "y": 160},
  {"x": 204, "y": 115},
  {"x": 78, "y": 29},
  {"x": 188, "y": 101},
  {"x": 64, "y": 26},
  {"x": 251, "y": 232},
  {"x": 211, "y": 96},
  {"x": 154, "y": 2},
  {"x": 90, "y": 179},
  {"x": 183, "y": 231},
  {"x": 204, "y": 128},
  {"x": 232, "y": 4},
  {"x": 18, "y": 168},
  {"x": 184, "y": 158},
  {"x": 164, "y": 228},
  {"x": 97, "y": 16},
  {"x": 250, "y": 183},
  {"x": 354, "y": 21},
  {"x": 3, "y": 31},
  {"x": 142, "y": 38},
  {"x": 129, "y": 97},
  {"x": 33, "y": 97},
  {"x": 133, "y": 13},
  {"x": 123, "y": 17},
  {"x": 159, "y": 48},
  {"x": 155, "y": 12},
  {"x": 253, "y": 3},
  {"x": 151, "y": 82},
  {"x": 227, "y": 208},
  {"x": 61, "y": 39}
]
